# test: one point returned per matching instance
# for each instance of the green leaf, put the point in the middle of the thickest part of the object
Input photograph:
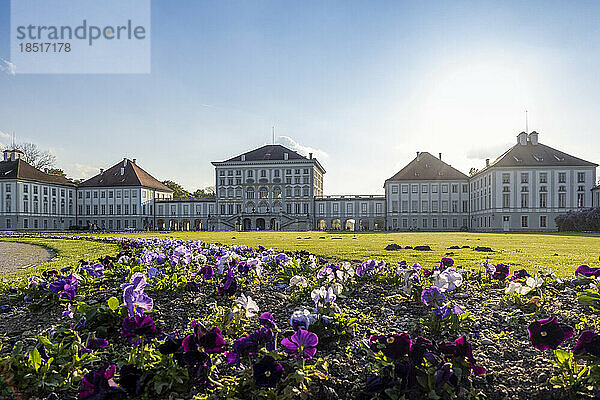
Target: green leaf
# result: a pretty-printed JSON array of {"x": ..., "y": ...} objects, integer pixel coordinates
[
  {"x": 562, "y": 357},
  {"x": 113, "y": 303},
  {"x": 35, "y": 360}
]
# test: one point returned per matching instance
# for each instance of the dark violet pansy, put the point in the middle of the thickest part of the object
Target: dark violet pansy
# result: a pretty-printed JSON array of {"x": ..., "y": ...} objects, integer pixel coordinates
[
  {"x": 302, "y": 344},
  {"x": 519, "y": 274},
  {"x": 229, "y": 285},
  {"x": 5, "y": 308},
  {"x": 130, "y": 380},
  {"x": 99, "y": 384},
  {"x": 461, "y": 348},
  {"x": 267, "y": 320},
  {"x": 267, "y": 372},
  {"x": 501, "y": 272},
  {"x": 198, "y": 364},
  {"x": 446, "y": 262},
  {"x": 445, "y": 312},
  {"x": 589, "y": 343},
  {"x": 211, "y": 341},
  {"x": 95, "y": 344},
  {"x": 134, "y": 329},
  {"x": 171, "y": 344},
  {"x": 377, "y": 384},
  {"x": 207, "y": 271},
  {"x": 66, "y": 287},
  {"x": 445, "y": 375},
  {"x": 134, "y": 297},
  {"x": 393, "y": 346},
  {"x": 587, "y": 271},
  {"x": 548, "y": 333},
  {"x": 432, "y": 296}
]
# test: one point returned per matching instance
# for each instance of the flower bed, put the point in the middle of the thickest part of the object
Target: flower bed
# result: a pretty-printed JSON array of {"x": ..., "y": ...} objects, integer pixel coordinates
[{"x": 185, "y": 319}]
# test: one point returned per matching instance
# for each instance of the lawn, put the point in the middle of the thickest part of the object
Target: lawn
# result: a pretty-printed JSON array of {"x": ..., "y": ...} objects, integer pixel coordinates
[
  {"x": 561, "y": 252},
  {"x": 67, "y": 253}
]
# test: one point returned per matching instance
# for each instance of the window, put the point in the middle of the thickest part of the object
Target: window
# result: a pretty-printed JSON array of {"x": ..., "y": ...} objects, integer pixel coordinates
[
  {"x": 434, "y": 188},
  {"x": 580, "y": 200},
  {"x": 349, "y": 208},
  {"x": 306, "y": 171},
  {"x": 395, "y": 206},
  {"x": 297, "y": 171},
  {"x": 321, "y": 208},
  {"x": 562, "y": 177},
  {"x": 444, "y": 188},
  {"x": 394, "y": 189},
  {"x": 524, "y": 177},
  {"x": 454, "y": 206},
  {"x": 404, "y": 205},
  {"x": 424, "y": 206},
  {"x": 543, "y": 177},
  {"x": 424, "y": 222},
  {"x": 404, "y": 188},
  {"x": 524, "y": 200},
  {"x": 363, "y": 208},
  {"x": 445, "y": 206},
  {"x": 404, "y": 223},
  {"x": 336, "y": 207},
  {"x": 415, "y": 189},
  {"x": 434, "y": 223},
  {"x": 415, "y": 206},
  {"x": 378, "y": 208},
  {"x": 250, "y": 193},
  {"x": 506, "y": 200},
  {"x": 524, "y": 221},
  {"x": 543, "y": 200},
  {"x": 580, "y": 177},
  {"x": 444, "y": 222},
  {"x": 562, "y": 200},
  {"x": 250, "y": 174},
  {"x": 542, "y": 221},
  {"x": 465, "y": 206},
  {"x": 465, "y": 188},
  {"x": 454, "y": 188},
  {"x": 423, "y": 188},
  {"x": 434, "y": 206}
]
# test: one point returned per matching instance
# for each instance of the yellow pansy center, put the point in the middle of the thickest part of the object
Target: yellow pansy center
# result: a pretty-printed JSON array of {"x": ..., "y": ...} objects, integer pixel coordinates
[
  {"x": 543, "y": 333},
  {"x": 390, "y": 340},
  {"x": 267, "y": 373}
]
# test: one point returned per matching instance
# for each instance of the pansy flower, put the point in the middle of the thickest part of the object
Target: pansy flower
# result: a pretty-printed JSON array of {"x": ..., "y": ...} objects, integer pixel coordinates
[
  {"x": 302, "y": 343},
  {"x": 98, "y": 384},
  {"x": 134, "y": 329},
  {"x": 393, "y": 346},
  {"x": 548, "y": 333},
  {"x": 267, "y": 372},
  {"x": 229, "y": 285},
  {"x": 589, "y": 343}
]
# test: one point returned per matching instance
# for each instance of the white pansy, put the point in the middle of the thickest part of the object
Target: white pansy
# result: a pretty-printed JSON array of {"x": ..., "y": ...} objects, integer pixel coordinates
[
  {"x": 248, "y": 305},
  {"x": 299, "y": 281}
]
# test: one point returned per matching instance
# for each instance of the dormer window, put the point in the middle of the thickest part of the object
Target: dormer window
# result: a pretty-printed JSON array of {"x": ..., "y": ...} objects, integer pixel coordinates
[
  {"x": 559, "y": 158},
  {"x": 538, "y": 158}
]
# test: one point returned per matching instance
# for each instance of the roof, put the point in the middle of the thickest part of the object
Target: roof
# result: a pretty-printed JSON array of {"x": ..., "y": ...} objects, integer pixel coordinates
[
  {"x": 133, "y": 175},
  {"x": 268, "y": 152},
  {"x": 20, "y": 169},
  {"x": 426, "y": 167},
  {"x": 537, "y": 155}
]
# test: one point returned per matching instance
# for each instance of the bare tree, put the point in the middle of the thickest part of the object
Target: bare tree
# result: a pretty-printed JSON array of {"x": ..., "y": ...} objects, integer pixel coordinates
[{"x": 36, "y": 157}]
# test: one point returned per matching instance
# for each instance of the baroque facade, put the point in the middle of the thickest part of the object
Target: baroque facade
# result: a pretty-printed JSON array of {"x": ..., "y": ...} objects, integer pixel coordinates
[{"x": 275, "y": 188}]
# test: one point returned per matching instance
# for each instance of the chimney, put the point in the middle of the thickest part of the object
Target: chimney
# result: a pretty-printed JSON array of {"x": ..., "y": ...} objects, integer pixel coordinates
[
  {"x": 310, "y": 155},
  {"x": 124, "y": 163},
  {"x": 6, "y": 155},
  {"x": 101, "y": 171},
  {"x": 243, "y": 157},
  {"x": 522, "y": 138},
  {"x": 122, "y": 171},
  {"x": 533, "y": 138},
  {"x": 440, "y": 156},
  {"x": 487, "y": 162},
  {"x": 133, "y": 161},
  {"x": 418, "y": 156},
  {"x": 286, "y": 156}
]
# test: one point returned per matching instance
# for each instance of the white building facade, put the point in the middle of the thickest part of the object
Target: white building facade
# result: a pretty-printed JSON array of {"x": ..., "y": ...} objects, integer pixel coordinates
[
  {"x": 527, "y": 187},
  {"x": 275, "y": 188}
]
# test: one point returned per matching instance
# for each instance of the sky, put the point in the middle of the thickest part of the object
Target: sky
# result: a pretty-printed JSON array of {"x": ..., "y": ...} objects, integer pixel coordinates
[{"x": 362, "y": 84}]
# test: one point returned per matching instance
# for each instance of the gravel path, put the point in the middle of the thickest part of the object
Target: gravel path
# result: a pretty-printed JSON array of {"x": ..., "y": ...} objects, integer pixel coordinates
[{"x": 16, "y": 256}]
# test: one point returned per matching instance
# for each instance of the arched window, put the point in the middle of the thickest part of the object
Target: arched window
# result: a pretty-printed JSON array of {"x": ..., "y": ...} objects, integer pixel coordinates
[
  {"x": 276, "y": 192},
  {"x": 250, "y": 193},
  {"x": 264, "y": 193}
]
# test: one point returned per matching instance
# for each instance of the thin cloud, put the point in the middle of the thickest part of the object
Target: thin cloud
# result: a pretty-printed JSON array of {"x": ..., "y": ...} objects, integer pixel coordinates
[
  {"x": 8, "y": 67},
  {"x": 304, "y": 150}
]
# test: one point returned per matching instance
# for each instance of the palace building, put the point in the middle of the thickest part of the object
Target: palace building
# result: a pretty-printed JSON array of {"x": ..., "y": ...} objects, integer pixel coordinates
[{"x": 275, "y": 188}]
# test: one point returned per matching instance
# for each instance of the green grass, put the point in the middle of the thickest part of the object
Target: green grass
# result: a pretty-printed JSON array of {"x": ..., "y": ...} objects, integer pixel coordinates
[
  {"x": 561, "y": 252},
  {"x": 67, "y": 252}
]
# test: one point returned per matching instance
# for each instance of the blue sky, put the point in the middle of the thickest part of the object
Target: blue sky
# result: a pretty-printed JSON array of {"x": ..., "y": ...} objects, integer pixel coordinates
[{"x": 364, "y": 84}]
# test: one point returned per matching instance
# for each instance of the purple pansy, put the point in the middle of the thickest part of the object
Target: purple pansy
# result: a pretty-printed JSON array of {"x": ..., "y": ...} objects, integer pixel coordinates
[
  {"x": 98, "y": 384},
  {"x": 501, "y": 272},
  {"x": 589, "y": 343},
  {"x": 229, "y": 286},
  {"x": 587, "y": 271},
  {"x": 519, "y": 274},
  {"x": 461, "y": 348},
  {"x": 548, "y": 333},
  {"x": 136, "y": 328},
  {"x": 210, "y": 340},
  {"x": 393, "y": 346},
  {"x": 66, "y": 287},
  {"x": 207, "y": 271},
  {"x": 267, "y": 372},
  {"x": 130, "y": 380},
  {"x": 432, "y": 296},
  {"x": 446, "y": 262},
  {"x": 302, "y": 344},
  {"x": 370, "y": 267},
  {"x": 134, "y": 297}
]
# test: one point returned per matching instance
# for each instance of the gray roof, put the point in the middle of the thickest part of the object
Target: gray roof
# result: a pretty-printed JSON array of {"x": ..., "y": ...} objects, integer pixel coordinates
[
  {"x": 268, "y": 152},
  {"x": 133, "y": 175},
  {"x": 537, "y": 155},
  {"x": 426, "y": 167}
]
